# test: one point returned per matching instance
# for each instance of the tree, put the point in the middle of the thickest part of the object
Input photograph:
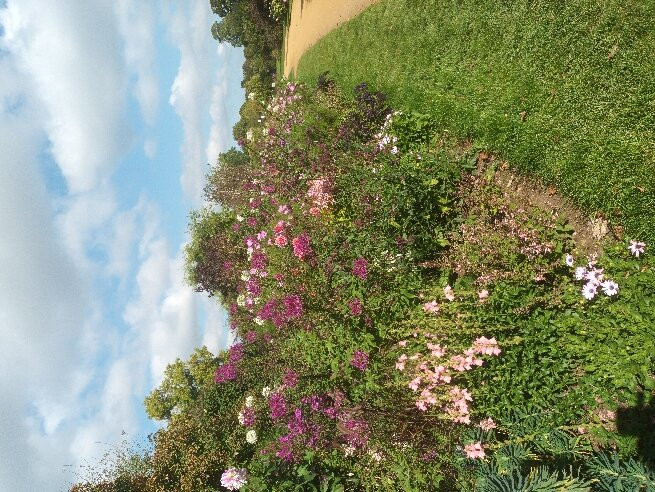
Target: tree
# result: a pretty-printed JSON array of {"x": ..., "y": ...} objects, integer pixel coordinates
[{"x": 182, "y": 384}]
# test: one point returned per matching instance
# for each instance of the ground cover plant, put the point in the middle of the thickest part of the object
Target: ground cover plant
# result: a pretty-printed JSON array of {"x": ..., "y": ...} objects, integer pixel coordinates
[
  {"x": 563, "y": 90},
  {"x": 403, "y": 320}
]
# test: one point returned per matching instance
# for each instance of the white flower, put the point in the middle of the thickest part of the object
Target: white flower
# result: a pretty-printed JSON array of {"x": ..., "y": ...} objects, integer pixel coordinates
[
  {"x": 637, "y": 248},
  {"x": 239, "y": 218},
  {"x": 241, "y": 418},
  {"x": 594, "y": 276},
  {"x": 234, "y": 478},
  {"x": 394, "y": 150},
  {"x": 610, "y": 288},
  {"x": 589, "y": 291},
  {"x": 448, "y": 293},
  {"x": 580, "y": 273},
  {"x": 250, "y": 400},
  {"x": 251, "y": 96},
  {"x": 258, "y": 320},
  {"x": 569, "y": 260},
  {"x": 249, "y": 134},
  {"x": 241, "y": 300},
  {"x": 245, "y": 275},
  {"x": 348, "y": 450},
  {"x": 266, "y": 392},
  {"x": 251, "y": 437}
]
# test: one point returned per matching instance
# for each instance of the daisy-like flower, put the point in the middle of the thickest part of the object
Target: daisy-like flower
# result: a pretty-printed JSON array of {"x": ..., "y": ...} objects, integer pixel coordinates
[
  {"x": 448, "y": 293},
  {"x": 610, "y": 288},
  {"x": 637, "y": 248},
  {"x": 589, "y": 291},
  {"x": 594, "y": 276},
  {"x": 580, "y": 273},
  {"x": 569, "y": 260}
]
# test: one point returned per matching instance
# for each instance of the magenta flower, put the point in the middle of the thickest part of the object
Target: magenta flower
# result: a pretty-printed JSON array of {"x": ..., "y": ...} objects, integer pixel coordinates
[
  {"x": 290, "y": 379},
  {"x": 224, "y": 373},
  {"x": 278, "y": 406},
  {"x": 302, "y": 246},
  {"x": 355, "y": 306},
  {"x": 359, "y": 360},
  {"x": 360, "y": 268}
]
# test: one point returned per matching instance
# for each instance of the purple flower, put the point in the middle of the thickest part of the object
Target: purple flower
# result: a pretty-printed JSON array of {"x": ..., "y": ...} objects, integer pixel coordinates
[
  {"x": 360, "y": 268},
  {"x": 359, "y": 360},
  {"x": 254, "y": 288},
  {"x": 277, "y": 405},
  {"x": 258, "y": 261},
  {"x": 290, "y": 379},
  {"x": 355, "y": 306}
]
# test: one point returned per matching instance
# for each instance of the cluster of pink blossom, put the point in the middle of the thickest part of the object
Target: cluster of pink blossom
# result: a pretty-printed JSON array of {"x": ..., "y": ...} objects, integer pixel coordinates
[
  {"x": 594, "y": 278},
  {"x": 474, "y": 450},
  {"x": 281, "y": 231},
  {"x": 320, "y": 193},
  {"x": 234, "y": 478},
  {"x": 432, "y": 374}
]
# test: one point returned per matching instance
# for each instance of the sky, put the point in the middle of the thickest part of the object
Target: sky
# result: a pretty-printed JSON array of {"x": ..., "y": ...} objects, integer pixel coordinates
[{"x": 110, "y": 113}]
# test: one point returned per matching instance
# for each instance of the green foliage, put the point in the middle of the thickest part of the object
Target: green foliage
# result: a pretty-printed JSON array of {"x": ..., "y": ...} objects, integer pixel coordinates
[
  {"x": 563, "y": 90},
  {"x": 181, "y": 386}
]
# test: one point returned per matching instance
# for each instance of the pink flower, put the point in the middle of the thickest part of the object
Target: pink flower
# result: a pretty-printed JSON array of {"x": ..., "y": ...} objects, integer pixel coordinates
[
  {"x": 414, "y": 383},
  {"x": 402, "y": 343},
  {"x": 487, "y": 424},
  {"x": 448, "y": 293},
  {"x": 474, "y": 450},
  {"x": 431, "y": 307},
  {"x": 281, "y": 241},
  {"x": 486, "y": 346},
  {"x": 359, "y": 360},
  {"x": 436, "y": 350},
  {"x": 483, "y": 294}
]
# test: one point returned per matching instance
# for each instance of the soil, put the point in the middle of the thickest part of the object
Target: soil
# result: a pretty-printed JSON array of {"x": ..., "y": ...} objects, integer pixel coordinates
[{"x": 313, "y": 19}]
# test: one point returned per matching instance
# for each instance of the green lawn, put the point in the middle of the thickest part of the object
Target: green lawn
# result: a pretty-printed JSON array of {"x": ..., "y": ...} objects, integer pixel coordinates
[{"x": 583, "y": 73}]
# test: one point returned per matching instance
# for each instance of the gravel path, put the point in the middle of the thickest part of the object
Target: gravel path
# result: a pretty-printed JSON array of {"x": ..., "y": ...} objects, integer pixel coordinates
[{"x": 313, "y": 19}]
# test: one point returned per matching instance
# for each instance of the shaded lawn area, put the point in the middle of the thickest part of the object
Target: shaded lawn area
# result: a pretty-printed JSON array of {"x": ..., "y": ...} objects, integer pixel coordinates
[{"x": 563, "y": 90}]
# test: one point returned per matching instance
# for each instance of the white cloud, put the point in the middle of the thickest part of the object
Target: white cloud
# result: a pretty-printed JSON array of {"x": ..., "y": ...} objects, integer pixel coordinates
[
  {"x": 136, "y": 21},
  {"x": 43, "y": 302},
  {"x": 196, "y": 88},
  {"x": 68, "y": 50}
]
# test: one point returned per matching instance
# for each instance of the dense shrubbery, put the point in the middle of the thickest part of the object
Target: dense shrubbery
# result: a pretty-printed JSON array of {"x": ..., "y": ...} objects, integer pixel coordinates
[
  {"x": 257, "y": 26},
  {"x": 403, "y": 322}
]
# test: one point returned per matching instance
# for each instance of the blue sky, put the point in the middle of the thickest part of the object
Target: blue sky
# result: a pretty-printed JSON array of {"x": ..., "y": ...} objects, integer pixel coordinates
[{"x": 110, "y": 112}]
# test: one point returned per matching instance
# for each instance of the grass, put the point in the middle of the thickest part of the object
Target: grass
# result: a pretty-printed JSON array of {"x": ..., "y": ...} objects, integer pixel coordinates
[{"x": 563, "y": 90}]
